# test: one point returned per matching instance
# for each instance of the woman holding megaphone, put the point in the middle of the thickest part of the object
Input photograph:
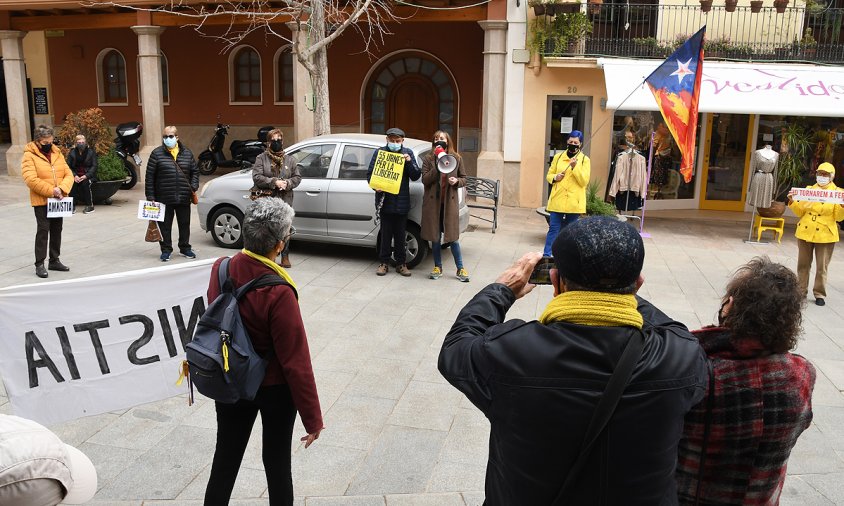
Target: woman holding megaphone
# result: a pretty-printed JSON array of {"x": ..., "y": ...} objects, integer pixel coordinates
[
  {"x": 442, "y": 175},
  {"x": 568, "y": 176}
]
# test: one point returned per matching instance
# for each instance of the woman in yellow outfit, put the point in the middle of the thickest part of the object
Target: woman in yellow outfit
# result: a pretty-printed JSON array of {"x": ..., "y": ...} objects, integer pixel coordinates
[
  {"x": 817, "y": 232},
  {"x": 568, "y": 176}
]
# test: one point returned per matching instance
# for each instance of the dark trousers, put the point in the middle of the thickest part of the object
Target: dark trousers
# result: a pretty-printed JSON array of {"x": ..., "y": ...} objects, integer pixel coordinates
[
  {"x": 234, "y": 425},
  {"x": 182, "y": 212},
  {"x": 81, "y": 193},
  {"x": 47, "y": 228},
  {"x": 393, "y": 228}
]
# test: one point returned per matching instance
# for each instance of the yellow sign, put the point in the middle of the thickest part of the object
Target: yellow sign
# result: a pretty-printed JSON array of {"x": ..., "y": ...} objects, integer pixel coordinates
[{"x": 387, "y": 173}]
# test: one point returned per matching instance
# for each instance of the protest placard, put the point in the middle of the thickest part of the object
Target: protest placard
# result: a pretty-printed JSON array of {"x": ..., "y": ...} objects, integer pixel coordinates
[
  {"x": 60, "y": 208},
  {"x": 150, "y": 210},
  {"x": 387, "y": 172},
  {"x": 818, "y": 195}
]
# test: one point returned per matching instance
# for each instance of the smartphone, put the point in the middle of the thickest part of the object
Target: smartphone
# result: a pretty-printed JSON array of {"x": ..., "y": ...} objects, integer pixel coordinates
[{"x": 541, "y": 274}]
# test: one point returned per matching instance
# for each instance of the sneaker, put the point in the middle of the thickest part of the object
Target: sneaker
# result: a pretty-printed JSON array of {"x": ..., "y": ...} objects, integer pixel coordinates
[
  {"x": 165, "y": 256},
  {"x": 436, "y": 272},
  {"x": 88, "y": 210},
  {"x": 188, "y": 253},
  {"x": 463, "y": 275},
  {"x": 403, "y": 270},
  {"x": 382, "y": 270},
  {"x": 820, "y": 302}
]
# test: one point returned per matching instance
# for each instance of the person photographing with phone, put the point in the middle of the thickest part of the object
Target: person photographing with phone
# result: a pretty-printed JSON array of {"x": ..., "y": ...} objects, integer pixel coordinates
[
  {"x": 542, "y": 383},
  {"x": 568, "y": 176}
]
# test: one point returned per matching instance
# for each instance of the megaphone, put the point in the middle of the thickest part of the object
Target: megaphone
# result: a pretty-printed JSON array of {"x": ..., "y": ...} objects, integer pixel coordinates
[{"x": 446, "y": 163}]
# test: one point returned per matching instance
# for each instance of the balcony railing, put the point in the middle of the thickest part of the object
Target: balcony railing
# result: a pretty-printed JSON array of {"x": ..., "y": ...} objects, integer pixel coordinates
[{"x": 655, "y": 31}]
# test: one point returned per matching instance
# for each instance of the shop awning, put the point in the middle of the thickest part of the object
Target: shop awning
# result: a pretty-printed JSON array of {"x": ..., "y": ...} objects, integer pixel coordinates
[{"x": 729, "y": 87}]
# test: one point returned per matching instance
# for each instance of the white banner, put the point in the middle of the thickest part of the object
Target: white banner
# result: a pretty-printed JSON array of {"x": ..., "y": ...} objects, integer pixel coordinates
[
  {"x": 150, "y": 210},
  {"x": 81, "y": 347},
  {"x": 59, "y": 208},
  {"x": 818, "y": 195}
]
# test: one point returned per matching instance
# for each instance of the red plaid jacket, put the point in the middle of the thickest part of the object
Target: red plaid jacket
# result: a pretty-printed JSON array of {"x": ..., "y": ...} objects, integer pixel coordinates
[{"x": 761, "y": 404}]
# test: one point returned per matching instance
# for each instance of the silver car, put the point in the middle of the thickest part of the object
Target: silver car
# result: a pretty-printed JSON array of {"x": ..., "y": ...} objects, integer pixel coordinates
[{"x": 333, "y": 203}]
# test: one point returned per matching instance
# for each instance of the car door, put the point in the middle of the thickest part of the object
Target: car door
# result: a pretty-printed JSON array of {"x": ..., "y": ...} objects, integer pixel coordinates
[
  {"x": 314, "y": 163},
  {"x": 351, "y": 205}
]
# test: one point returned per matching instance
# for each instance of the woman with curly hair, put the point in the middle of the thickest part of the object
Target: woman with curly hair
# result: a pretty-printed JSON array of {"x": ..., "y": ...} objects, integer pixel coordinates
[{"x": 737, "y": 441}]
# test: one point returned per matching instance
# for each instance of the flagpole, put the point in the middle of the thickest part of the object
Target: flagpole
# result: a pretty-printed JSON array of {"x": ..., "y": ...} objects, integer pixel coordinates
[{"x": 645, "y": 195}]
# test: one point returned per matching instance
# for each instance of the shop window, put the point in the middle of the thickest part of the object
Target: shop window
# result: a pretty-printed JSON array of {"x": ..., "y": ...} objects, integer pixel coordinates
[
  {"x": 245, "y": 76},
  {"x": 111, "y": 77},
  {"x": 284, "y": 75},
  {"x": 165, "y": 80}
]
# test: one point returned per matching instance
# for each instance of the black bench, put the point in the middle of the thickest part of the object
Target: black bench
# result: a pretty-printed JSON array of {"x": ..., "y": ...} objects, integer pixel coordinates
[{"x": 487, "y": 189}]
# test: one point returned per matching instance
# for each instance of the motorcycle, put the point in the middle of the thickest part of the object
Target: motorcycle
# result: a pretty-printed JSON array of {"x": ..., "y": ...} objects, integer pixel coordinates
[
  {"x": 126, "y": 145},
  {"x": 243, "y": 152}
]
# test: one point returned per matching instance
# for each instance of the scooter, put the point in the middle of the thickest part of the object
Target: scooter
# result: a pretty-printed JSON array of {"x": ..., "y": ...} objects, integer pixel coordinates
[
  {"x": 243, "y": 152},
  {"x": 126, "y": 145}
]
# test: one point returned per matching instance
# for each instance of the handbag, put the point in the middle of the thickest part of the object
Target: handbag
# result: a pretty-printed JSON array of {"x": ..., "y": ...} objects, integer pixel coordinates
[
  {"x": 256, "y": 193},
  {"x": 194, "y": 198},
  {"x": 153, "y": 232},
  {"x": 604, "y": 410}
]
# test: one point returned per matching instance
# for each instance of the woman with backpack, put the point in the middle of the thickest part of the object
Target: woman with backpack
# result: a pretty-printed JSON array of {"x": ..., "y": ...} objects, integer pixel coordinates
[{"x": 271, "y": 316}]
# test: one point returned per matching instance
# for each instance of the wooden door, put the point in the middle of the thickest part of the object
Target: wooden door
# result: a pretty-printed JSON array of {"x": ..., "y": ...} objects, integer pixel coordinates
[
  {"x": 413, "y": 105},
  {"x": 729, "y": 145}
]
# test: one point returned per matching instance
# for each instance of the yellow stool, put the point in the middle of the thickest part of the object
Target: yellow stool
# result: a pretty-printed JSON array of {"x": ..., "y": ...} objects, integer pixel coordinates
[{"x": 776, "y": 225}]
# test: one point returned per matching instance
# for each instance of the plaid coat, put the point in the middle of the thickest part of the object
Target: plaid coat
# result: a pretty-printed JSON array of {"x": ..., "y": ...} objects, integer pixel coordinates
[{"x": 761, "y": 404}]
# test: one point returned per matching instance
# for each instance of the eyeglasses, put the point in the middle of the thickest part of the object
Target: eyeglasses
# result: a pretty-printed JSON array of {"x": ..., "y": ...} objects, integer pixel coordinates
[
  {"x": 291, "y": 234},
  {"x": 171, "y": 136}
]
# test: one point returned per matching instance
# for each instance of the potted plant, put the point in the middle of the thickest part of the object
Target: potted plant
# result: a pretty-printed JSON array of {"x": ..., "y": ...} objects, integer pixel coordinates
[
  {"x": 570, "y": 31},
  {"x": 595, "y": 6},
  {"x": 595, "y": 204},
  {"x": 755, "y": 6},
  {"x": 88, "y": 122},
  {"x": 705, "y": 5},
  {"x": 730, "y": 5},
  {"x": 539, "y": 34},
  {"x": 538, "y": 7},
  {"x": 717, "y": 47},
  {"x": 780, "y": 5},
  {"x": 807, "y": 46},
  {"x": 110, "y": 175},
  {"x": 793, "y": 165}
]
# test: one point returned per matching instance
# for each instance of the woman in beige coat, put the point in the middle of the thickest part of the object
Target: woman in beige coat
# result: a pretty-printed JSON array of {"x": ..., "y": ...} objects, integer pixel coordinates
[
  {"x": 440, "y": 205},
  {"x": 47, "y": 175}
]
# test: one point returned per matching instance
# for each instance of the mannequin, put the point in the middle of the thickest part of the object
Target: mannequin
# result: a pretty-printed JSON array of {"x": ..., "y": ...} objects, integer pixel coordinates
[
  {"x": 629, "y": 179},
  {"x": 763, "y": 168}
]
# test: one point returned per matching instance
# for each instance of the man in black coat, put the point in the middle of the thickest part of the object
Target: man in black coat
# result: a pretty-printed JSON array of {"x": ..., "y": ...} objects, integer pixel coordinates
[
  {"x": 393, "y": 209},
  {"x": 82, "y": 160},
  {"x": 539, "y": 382},
  {"x": 171, "y": 178}
]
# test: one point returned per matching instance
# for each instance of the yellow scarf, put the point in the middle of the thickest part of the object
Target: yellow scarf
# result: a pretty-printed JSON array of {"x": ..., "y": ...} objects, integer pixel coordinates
[
  {"x": 272, "y": 265},
  {"x": 593, "y": 308}
]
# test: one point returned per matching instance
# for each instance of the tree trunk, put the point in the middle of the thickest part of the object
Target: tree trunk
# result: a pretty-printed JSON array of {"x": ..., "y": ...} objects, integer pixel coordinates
[{"x": 319, "y": 70}]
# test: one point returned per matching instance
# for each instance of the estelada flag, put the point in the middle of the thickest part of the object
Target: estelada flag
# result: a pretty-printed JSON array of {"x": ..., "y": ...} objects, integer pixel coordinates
[{"x": 676, "y": 87}]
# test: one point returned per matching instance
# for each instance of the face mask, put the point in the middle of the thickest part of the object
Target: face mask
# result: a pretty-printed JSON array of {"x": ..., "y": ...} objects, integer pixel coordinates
[
  {"x": 572, "y": 150},
  {"x": 46, "y": 148},
  {"x": 394, "y": 146},
  {"x": 170, "y": 142},
  {"x": 276, "y": 146},
  {"x": 80, "y": 146},
  {"x": 823, "y": 180},
  {"x": 441, "y": 144}
]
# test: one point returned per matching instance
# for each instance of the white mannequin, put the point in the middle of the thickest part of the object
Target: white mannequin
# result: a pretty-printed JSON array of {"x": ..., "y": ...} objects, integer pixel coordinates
[{"x": 763, "y": 168}]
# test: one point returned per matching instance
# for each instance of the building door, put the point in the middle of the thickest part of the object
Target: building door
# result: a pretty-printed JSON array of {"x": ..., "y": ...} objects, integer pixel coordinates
[
  {"x": 564, "y": 116},
  {"x": 728, "y": 144},
  {"x": 404, "y": 110}
]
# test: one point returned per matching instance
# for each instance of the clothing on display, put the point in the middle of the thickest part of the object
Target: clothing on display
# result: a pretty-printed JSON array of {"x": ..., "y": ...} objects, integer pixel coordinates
[
  {"x": 763, "y": 169},
  {"x": 629, "y": 182}
]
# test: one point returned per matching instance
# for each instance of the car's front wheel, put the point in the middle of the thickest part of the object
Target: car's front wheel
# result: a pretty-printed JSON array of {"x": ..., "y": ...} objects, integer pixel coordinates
[{"x": 226, "y": 227}]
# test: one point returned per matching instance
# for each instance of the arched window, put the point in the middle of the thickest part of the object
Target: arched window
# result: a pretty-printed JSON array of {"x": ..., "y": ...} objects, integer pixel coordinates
[
  {"x": 111, "y": 73},
  {"x": 284, "y": 75},
  {"x": 165, "y": 80},
  {"x": 245, "y": 75}
]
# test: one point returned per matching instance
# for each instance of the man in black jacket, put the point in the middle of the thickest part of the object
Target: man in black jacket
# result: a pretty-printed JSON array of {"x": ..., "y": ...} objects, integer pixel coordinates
[
  {"x": 539, "y": 382},
  {"x": 172, "y": 177},
  {"x": 82, "y": 160},
  {"x": 393, "y": 209}
]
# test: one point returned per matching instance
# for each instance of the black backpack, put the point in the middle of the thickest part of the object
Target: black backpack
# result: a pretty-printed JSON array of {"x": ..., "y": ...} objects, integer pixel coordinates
[{"x": 221, "y": 360}]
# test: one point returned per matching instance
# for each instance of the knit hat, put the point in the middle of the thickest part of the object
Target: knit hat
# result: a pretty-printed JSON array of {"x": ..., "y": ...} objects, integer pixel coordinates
[
  {"x": 599, "y": 253},
  {"x": 827, "y": 167}
]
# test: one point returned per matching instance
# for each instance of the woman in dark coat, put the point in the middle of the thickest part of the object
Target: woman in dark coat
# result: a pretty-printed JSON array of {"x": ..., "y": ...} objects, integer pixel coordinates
[
  {"x": 278, "y": 175},
  {"x": 440, "y": 205}
]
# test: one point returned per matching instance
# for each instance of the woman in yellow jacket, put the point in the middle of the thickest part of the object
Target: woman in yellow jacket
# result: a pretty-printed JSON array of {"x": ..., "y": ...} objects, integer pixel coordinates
[
  {"x": 817, "y": 233},
  {"x": 46, "y": 173},
  {"x": 568, "y": 176}
]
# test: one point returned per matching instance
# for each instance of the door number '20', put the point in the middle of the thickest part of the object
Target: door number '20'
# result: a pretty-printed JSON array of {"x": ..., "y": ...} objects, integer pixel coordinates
[{"x": 572, "y": 89}]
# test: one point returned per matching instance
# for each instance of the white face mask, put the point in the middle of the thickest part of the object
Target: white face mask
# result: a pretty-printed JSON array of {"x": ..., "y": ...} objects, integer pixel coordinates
[{"x": 822, "y": 180}]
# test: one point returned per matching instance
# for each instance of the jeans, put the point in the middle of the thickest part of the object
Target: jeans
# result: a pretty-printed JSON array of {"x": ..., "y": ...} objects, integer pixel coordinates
[
  {"x": 556, "y": 223},
  {"x": 234, "y": 425},
  {"x": 393, "y": 228},
  {"x": 182, "y": 212},
  {"x": 47, "y": 229},
  {"x": 455, "y": 252}
]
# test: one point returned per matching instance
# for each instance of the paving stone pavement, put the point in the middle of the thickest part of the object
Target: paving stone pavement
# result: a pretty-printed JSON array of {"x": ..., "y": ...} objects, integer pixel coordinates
[{"x": 397, "y": 434}]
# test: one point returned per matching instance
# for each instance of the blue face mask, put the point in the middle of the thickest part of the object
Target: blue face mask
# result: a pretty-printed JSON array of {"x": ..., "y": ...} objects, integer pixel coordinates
[
  {"x": 394, "y": 146},
  {"x": 170, "y": 142}
]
